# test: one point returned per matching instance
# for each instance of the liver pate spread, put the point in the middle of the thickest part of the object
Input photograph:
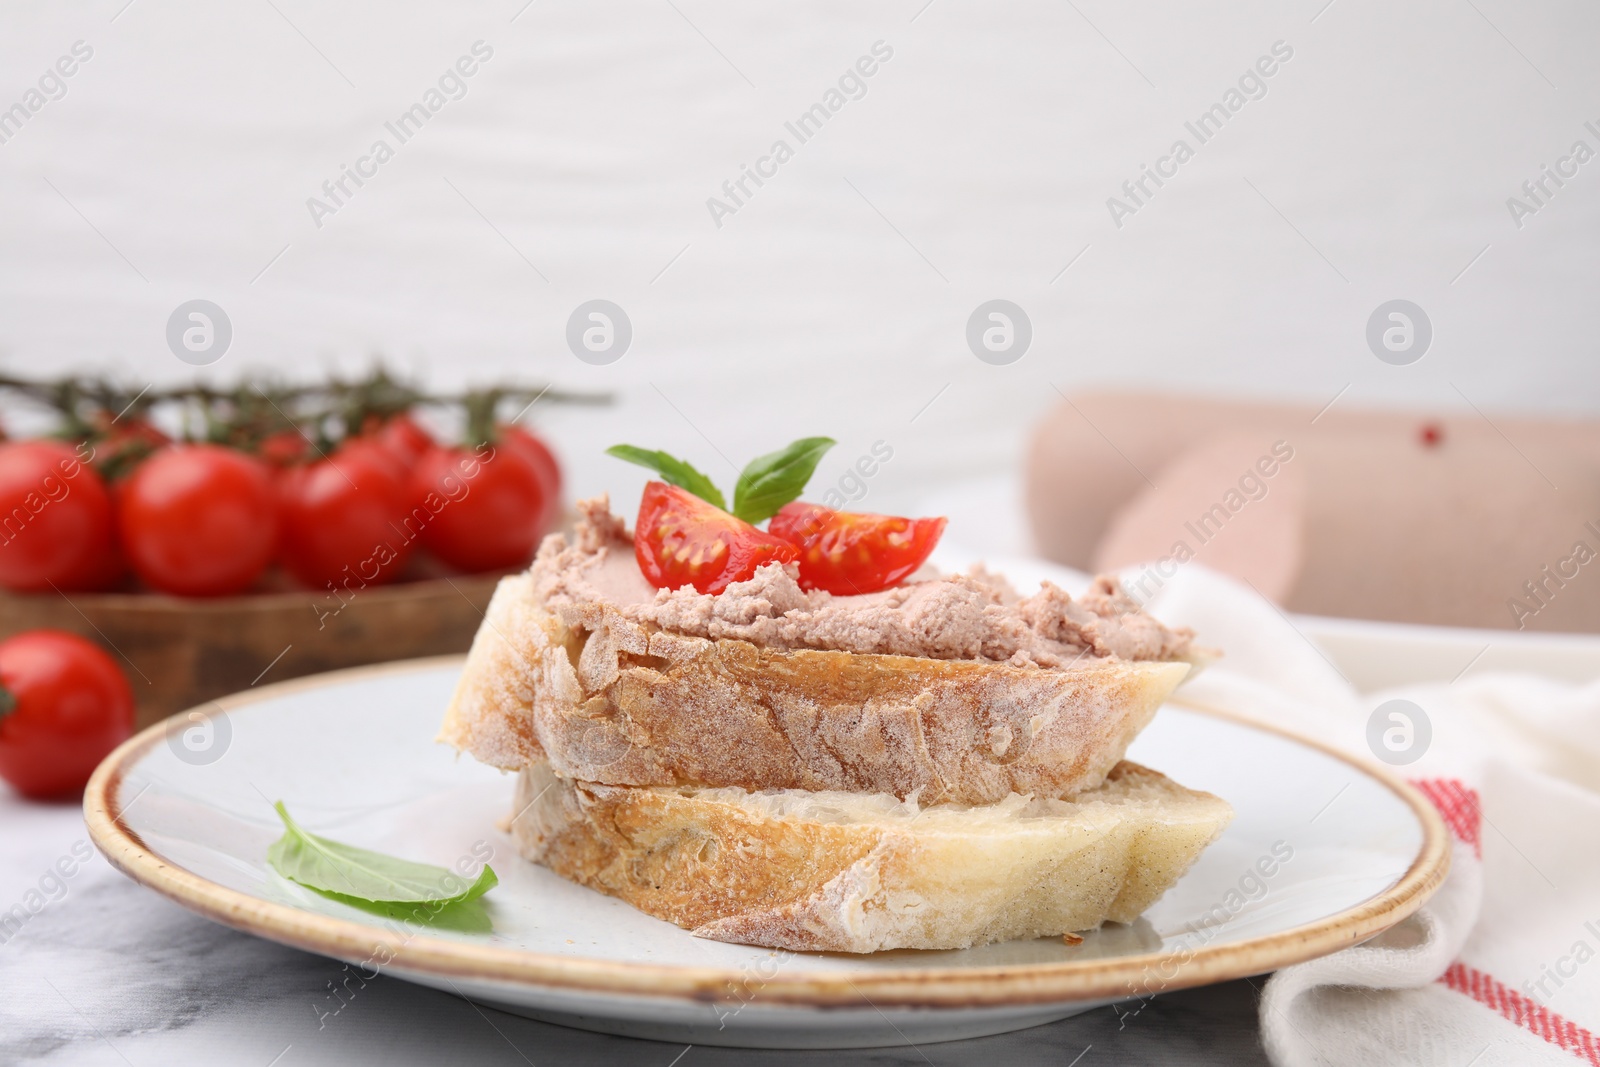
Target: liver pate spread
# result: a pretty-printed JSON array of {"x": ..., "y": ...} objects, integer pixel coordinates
[{"x": 972, "y": 616}]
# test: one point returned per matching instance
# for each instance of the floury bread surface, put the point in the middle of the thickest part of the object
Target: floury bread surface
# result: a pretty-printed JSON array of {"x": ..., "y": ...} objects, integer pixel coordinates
[
  {"x": 581, "y": 664},
  {"x": 852, "y": 872}
]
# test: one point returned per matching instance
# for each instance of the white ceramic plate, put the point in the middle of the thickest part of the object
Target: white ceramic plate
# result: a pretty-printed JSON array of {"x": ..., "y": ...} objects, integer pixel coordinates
[{"x": 1350, "y": 851}]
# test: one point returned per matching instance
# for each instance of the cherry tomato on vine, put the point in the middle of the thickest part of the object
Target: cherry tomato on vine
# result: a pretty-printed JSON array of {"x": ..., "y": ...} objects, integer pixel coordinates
[
  {"x": 405, "y": 439},
  {"x": 199, "y": 520},
  {"x": 484, "y": 507},
  {"x": 346, "y": 516},
  {"x": 680, "y": 540},
  {"x": 110, "y": 567},
  {"x": 56, "y": 525},
  {"x": 853, "y": 552},
  {"x": 64, "y": 704},
  {"x": 545, "y": 462},
  {"x": 120, "y": 444},
  {"x": 284, "y": 448}
]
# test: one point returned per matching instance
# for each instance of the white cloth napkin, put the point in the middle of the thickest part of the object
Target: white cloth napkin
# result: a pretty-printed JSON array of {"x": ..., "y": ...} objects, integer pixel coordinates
[{"x": 1502, "y": 965}]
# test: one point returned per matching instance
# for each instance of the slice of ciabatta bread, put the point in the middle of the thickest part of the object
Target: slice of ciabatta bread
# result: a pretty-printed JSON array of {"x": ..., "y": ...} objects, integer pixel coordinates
[
  {"x": 604, "y": 698},
  {"x": 852, "y": 872}
]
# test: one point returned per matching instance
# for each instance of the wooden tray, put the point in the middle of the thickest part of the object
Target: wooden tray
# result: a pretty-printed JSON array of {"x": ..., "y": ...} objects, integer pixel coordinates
[{"x": 179, "y": 653}]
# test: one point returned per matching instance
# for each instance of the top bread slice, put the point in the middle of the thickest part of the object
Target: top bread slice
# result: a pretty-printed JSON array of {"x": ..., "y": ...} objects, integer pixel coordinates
[{"x": 603, "y": 698}]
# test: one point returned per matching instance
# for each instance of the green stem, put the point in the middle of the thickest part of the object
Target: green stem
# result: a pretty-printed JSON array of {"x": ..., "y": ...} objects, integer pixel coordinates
[
  {"x": 242, "y": 416},
  {"x": 480, "y": 408}
]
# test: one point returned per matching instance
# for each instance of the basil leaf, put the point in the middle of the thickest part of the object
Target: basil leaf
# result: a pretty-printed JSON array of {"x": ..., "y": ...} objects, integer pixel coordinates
[
  {"x": 463, "y": 917},
  {"x": 769, "y": 482},
  {"x": 673, "y": 471},
  {"x": 344, "y": 871}
]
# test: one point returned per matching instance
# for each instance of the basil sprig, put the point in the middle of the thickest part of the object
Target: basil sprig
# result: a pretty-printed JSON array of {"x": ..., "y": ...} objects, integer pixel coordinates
[
  {"x": 769, "y": 482},
  {"x": 360, "y": 876},
  {"x": 765, "y": 485}
]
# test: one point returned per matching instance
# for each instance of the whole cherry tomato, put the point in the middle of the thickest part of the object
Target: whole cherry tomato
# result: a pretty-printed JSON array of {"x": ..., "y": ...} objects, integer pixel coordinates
[
  {"x": 683, "y": 540},
  {"x": 283, "y": 448},
  {"x": 199, "y": 520},
  {"x": 545, "y": 462},
  {"x": 55, "y": 518},
  {"x": 483, "y": 507},
  {"x": 346, "y": 517},
  {"x": 402, "y": 437},
  {"x": 109, "y": 568},
  {"x": 64, "y": 705},
  {"x": 120, "y": 444},
  {"x": 853, "y": 552}
]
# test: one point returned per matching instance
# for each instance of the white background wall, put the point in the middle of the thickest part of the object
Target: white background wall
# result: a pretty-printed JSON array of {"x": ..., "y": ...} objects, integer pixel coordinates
[{"x": 989, "y": 144}]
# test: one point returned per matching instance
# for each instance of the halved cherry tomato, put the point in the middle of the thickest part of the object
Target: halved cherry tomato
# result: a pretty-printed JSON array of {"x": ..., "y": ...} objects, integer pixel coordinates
[
  {"x": 483, "y": 508},
  {"x": 344, "y": 517},
  {"x": 848, "y": 552},
  {"x": 545, "y": 462},
  {"x": 64, "y": 704},
  {"x": 682, "y": 540},
  {"x": 55, "y": 518},
  {"x": 199, "y": 520}
]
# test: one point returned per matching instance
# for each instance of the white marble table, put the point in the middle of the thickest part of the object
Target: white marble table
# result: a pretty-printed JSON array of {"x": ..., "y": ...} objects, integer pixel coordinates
[{"x": 108, "y": 972}]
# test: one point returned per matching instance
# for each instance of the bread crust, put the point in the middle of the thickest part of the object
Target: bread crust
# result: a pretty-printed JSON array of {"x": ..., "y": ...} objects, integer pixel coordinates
[
  {"x": 609, "y": 700},
  {"x": 851, "y": 873}
]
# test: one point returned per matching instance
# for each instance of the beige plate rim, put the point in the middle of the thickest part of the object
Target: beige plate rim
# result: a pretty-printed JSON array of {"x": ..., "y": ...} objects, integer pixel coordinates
[{"x": 1066, "y": 982}]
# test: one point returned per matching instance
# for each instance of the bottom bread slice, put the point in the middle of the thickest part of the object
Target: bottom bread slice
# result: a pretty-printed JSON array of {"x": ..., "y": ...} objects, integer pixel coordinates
[{"x": 854, "y": 872}]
